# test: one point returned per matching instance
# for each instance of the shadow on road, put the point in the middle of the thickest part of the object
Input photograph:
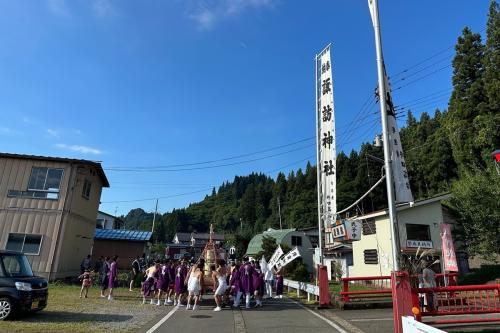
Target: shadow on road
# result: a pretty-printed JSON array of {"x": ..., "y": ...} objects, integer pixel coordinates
[{"x": 64, "y": 316}]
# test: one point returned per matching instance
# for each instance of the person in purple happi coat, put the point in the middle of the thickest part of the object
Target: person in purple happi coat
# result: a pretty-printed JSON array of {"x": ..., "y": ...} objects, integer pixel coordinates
[
  {"x": 234, "y": 282},
  {"x": 171, "y": 278},
  {"x": 279, "y": 284},
  {"x": 246, "y": 271},
  {"x": 113, "y": 272},
  {"x": 180, "y": 286},
  {"x": 258, "y": 285}
]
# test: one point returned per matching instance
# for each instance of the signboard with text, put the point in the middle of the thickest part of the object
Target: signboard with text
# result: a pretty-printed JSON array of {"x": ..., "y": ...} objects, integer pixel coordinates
[
  {"x": 326, "y": 138},
  {"x": 411, "y": 243}
]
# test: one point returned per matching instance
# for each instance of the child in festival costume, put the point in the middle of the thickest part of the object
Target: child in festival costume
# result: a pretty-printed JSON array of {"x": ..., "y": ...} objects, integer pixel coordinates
[
  {"x": 180, "y": 286},
  {"x": 86, "y": 278},
  {"x": 279, "y": 285},
  {"x": 194, "y": 286},
  {"x": 148, "y": 287}
]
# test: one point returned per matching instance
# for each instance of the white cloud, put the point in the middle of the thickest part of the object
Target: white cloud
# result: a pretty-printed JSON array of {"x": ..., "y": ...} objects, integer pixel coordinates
[
  {"x": 59, "y": 7},
  {"x": 53, "y": 133},
  {"x": 8, "y": 131},
  {"x": 102, "y": 8},
  {"x": 207, "y": 16},
  {"x": 79, "y": 149}
]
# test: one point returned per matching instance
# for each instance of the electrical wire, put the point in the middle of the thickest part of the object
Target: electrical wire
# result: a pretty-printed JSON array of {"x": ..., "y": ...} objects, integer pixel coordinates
[{"x": 213, "y": 161}]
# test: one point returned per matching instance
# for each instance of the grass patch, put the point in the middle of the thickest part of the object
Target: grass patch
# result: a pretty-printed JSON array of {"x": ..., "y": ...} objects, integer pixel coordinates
[
  {"x": 66, "y": 312},
  {"x": 336, "y": 287}
]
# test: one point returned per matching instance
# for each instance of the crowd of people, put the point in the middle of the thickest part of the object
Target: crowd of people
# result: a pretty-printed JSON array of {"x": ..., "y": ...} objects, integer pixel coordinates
[{"x": 182, "y": 283}]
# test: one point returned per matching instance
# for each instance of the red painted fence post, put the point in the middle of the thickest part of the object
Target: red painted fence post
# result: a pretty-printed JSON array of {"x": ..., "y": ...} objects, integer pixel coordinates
[
  {"x": 402, "y": 300},
  {"x": 345, "y": 288},
  {"x": 324, "y": 290}
]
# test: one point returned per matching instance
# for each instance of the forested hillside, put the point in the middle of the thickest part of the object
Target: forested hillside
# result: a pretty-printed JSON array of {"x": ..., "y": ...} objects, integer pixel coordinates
[{"x": 445, "y": 151}]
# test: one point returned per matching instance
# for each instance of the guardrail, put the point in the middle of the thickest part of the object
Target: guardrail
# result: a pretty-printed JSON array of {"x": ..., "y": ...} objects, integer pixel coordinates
[
  {"x": 461, "y": 300},
  {"x": 309, "y": 289}
]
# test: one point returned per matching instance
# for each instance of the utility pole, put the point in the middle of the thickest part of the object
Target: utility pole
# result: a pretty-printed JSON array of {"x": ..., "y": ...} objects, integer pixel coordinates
[
  {"x": 241, "y": 224},
  {"x": 387, "y": 154},
  {"x": 154, "y": 216},
  {"x": 279, "y": 212}
]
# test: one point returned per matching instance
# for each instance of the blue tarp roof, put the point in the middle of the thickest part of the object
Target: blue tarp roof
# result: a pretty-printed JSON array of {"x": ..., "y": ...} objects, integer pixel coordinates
[{"x": 130, "y": 235}]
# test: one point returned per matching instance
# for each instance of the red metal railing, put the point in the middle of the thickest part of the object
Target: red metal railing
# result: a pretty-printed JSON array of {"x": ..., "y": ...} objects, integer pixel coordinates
[
  {"x": 460, "y": 300},
  {"x": 380, "y": 286},
  {"x": 377, "y": 286}
]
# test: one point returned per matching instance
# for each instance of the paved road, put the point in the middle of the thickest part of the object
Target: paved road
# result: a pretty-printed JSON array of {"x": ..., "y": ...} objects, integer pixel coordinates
[
  {"x": 283, "y": 315},
  {"x": 287, "y": 316}
]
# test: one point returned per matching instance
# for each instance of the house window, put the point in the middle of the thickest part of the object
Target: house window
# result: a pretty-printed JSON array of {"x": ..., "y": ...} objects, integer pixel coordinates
[
  {"x": 418, "y": 232},
  {"x": 369, "y": 227},
  {"x": 25, "y": 243},
  {"x": 44, "y": 183},
  {"x": 296, "y": 241},
  {"x": 371, "y": 257},
  {"x": 86, "y": 189}
]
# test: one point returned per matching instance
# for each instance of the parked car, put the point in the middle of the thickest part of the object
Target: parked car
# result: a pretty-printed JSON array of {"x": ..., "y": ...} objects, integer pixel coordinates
[{"x": 20, "y": 290}]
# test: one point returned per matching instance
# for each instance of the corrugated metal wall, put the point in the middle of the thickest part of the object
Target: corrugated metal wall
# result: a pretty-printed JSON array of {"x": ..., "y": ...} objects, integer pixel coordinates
[{"x": 30, "y": 216}]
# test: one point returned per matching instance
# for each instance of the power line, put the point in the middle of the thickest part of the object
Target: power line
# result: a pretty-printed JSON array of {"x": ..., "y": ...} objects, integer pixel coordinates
[
  {"x": 404, "y": 78},
  {"x": 164, "y": 197},
  {"x": 440, "y": 92},
  {"x": 210, "y": 166},
  {"x": 212, "y": 161},
  {"x": 421, "y": 78}
]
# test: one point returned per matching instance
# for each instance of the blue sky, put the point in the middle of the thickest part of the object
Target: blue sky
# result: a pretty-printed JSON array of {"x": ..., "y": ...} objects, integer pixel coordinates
[{"x": 161, "y": 83}]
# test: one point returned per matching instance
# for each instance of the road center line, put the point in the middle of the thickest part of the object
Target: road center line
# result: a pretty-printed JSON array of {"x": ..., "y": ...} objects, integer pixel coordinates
[
  {"x": 239, "y": 322},
  {"x": 328, "y": 321},
  {"x": 164, "y": 319}
]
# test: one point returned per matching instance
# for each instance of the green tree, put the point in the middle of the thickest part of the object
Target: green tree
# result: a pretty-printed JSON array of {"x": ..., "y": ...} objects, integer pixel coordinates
[
  {"x": 476, "y": 201},
  {"x": 269, "y": 245},
  {"x": 467, "y": 101}
]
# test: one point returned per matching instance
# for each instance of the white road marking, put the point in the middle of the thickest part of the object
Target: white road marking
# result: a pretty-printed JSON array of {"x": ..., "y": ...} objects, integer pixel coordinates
[
  {"x": 164, "y": 319},
  {"x": 370, "y": 319},
  {"x": 328, "y": 321}
]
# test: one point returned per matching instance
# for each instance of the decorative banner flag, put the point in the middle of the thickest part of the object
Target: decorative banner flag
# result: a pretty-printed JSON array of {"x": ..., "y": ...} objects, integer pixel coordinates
[
  {"x": 449, "y": 257},
  {"x": 401, "y": 182},
  {"x": 399, "y": 173},
  {"x": 287, "y": 258},
  {"x": 275, "y": 257},
  {"x": 327, "y": 159}
]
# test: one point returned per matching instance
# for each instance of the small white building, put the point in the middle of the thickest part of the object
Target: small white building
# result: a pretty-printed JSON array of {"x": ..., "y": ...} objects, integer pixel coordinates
[
  {"x": 419, "y": 226},
  {"x": 108, "y": 221}
]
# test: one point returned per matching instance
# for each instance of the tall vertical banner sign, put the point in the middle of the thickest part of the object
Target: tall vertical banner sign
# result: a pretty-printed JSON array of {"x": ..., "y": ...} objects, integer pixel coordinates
[
  {"x": 327, "y": 159},
  {"x": 400, "y": 174},
  {"x": 449, "y": 257}
]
